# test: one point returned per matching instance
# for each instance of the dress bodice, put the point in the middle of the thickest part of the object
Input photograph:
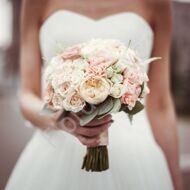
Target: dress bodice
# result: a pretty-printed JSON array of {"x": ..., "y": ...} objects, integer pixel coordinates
[{"x": 67, "y": 28}]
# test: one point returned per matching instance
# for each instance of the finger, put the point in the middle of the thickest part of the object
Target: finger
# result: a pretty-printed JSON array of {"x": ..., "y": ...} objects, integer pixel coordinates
[
  {"x": 91, "y": 142},
  {"x": 90, "y": 132},
  {"x": 96, "y": 122}
]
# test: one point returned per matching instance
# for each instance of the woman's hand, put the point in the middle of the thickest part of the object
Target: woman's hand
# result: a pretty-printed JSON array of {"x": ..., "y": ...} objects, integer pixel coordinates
[{"x": 89, "y": 134}]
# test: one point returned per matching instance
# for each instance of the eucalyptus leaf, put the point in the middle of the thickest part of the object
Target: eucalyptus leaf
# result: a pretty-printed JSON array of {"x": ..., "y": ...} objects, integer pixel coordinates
[
  {"x": 106, "y": 106},
  {"x": 116, "y": 107},
  {"x": 137, "y": 108},
  {"x": 46, "y": 110},
  {"x": 86, "y": 118}
]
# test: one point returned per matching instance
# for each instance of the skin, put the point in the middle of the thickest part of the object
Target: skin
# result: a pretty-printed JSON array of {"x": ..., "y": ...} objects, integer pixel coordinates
[{"x": 159, "y": 107}]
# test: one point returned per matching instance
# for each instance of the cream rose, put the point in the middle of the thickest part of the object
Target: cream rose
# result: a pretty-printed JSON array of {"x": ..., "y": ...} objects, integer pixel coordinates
[
  {"x": 117, "y": 78},
  {"x": 95, "y": 89},
  {"x": 64, "y": 88},
  {"x": 120, "y": 66},
  {"x": 117, "y": 90},
  {"x": 74, "y": 102}
]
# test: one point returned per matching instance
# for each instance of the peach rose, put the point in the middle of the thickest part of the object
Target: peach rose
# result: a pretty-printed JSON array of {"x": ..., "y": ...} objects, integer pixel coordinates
[
  {"x": 95, "y": 89},
  {"x": 74, "y": 102}
]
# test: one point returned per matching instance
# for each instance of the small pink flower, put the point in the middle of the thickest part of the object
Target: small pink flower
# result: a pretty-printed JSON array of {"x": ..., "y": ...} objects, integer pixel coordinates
[
  {"x": 133, "y": 76},
  {"x": 96, "y": 70},
  {"x": 100, "y": 61},
  {"x": 129, "y": 99},
  {"x": 131, "y": 95},
  {"x": 98, "y": 65},
  {"x": 49, "y": 94},
  {"x": 72, "y": 53}
]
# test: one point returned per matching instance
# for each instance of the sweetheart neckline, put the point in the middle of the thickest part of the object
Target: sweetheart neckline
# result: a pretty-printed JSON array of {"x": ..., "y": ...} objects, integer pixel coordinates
[{"x": 96, "y": 21}]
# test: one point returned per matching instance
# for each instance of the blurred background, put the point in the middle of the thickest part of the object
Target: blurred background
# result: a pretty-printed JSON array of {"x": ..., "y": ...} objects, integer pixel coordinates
[{"x": 13, "y": 131}]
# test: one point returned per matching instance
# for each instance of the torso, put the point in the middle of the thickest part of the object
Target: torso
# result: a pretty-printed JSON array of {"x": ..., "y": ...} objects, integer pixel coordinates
[{"x": 96, "y": 11}]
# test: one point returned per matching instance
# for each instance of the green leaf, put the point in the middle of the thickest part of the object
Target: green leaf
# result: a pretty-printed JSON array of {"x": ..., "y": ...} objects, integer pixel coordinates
[
  {"x": 46, "y": 110},
  {"x": 130, "y": 118},
  {"x": 106, "y": 106},
  {"x": 129, "y": 44},
  {"x": 86, "y": 118},
  {"x": 137, "y": 108},
  {"x": 142, "y": 88},
  {"x": 116, "y": 107}
]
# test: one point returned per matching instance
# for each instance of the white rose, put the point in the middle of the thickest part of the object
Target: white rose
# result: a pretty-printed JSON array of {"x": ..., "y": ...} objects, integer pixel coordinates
[
  {"x": 74, "y": 102},
  {"x": 117, "y": 90},
  {"x": 95, "y": 89},
  {"x": 77, "y": 77},
  {"x": 80, "y": 64},
  {"x": 48, "y": 74},
  {"x": 64, "y": 88},
  {"x": 57, "y": 101},
  {"x": 145, "y": 91},
  {"x": 120, "y": 66},
  {"x": 132, "y": 57},
  {"x": 117, "y": 78},
  {"x": 56, "y": 60}
]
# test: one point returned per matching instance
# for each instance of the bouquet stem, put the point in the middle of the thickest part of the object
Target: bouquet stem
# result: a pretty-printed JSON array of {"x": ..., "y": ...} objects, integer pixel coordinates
[{"x": 96, "y": 159}]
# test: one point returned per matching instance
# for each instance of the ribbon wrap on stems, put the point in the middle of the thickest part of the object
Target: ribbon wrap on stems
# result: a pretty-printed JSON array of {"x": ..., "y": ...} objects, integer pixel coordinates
[{"x": 97, "y": 158}]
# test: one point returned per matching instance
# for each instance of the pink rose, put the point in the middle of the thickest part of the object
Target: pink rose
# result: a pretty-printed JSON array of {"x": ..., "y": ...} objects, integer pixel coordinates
[
  {"x": 72, "y": 53},
  {"x": 49, "y": 94},
  {"x": 131, "y": 96},
  {"x": 129, "y": 99}
]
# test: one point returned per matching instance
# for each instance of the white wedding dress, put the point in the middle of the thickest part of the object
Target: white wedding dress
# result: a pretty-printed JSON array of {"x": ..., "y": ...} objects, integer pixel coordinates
[{"x": 52, "y": 160}]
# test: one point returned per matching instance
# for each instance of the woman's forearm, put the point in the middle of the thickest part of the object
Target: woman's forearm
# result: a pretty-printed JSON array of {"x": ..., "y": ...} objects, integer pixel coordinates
[
  {"x": 163, "y": 124},
  {"x": 31, "y": 106}
]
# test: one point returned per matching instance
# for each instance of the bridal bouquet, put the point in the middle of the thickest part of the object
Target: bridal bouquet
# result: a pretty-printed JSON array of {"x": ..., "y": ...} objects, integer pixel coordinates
[{"x": 96, "y": 78}]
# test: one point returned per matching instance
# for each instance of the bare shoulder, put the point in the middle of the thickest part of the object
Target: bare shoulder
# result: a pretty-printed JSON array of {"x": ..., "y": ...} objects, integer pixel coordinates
[
  {"x": 161, "y": 9},
  {"x": 32, "y": 11},
  {"x": 161, "y": 13},
  {"x": 154, "y": 4}
]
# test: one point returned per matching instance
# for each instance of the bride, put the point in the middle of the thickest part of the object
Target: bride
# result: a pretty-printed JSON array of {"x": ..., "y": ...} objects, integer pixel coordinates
[{"x": 143, "y": 156}]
